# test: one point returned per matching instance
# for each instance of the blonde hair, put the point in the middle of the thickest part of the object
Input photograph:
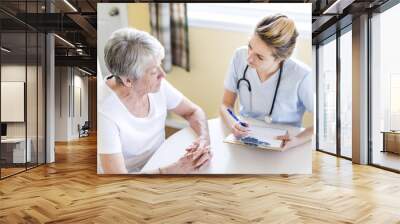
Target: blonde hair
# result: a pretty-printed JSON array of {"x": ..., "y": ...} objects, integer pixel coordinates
[{"x": 278, "y": 32}]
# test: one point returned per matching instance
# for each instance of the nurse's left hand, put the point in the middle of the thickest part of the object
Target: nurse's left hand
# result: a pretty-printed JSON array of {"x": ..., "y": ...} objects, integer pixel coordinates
[{"x": 288, "y": 141}]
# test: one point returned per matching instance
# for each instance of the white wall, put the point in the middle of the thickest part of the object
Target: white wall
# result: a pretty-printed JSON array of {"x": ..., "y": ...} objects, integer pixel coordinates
[
  {"x": 33, "y": 126},
  {"x": 106, "y": 24},
  {"x": 79, "y": 117},
  {"x": 70, "y": 83},
  {"x": 61, "y": 103},
  {"x": 12, "y": 73}
]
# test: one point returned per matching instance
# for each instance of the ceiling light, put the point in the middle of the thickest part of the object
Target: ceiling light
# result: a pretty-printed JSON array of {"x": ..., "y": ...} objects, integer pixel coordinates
[
  {"x": 84, "y": 71},
  {"x": 337, "y": 7},
  {"x": 70, "y": 5},
  {"x": 65, "y": 41},
  {"x": 5, "y": 50}
]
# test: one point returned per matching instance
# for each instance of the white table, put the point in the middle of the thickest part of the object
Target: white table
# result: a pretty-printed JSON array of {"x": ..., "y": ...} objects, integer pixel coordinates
[
  {"x": 18, "y": 149},
  {"x": 235, "y": 159}
]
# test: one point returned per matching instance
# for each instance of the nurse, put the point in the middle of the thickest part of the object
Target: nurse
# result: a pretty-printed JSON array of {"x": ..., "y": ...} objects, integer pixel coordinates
[{"x": 270, "y": 85}]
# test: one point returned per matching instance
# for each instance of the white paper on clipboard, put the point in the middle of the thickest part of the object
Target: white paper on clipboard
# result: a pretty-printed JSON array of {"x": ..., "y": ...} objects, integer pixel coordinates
[{"x": 261, "y": 137}]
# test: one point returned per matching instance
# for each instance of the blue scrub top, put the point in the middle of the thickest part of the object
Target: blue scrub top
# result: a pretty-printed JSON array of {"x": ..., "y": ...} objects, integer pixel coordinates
[{"x": 295, "y": 94}]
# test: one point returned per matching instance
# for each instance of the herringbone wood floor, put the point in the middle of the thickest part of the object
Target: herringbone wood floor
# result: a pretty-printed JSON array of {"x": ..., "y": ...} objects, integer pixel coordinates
[{"x": 70, "y": 191}]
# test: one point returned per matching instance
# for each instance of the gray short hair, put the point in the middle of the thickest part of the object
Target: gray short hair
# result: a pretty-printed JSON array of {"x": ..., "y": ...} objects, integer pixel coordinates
[{"x": 129, "y": 51}]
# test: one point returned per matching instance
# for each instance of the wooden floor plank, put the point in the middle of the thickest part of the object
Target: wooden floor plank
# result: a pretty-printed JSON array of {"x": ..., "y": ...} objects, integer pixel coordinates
[{"x": 70, "y": 191}]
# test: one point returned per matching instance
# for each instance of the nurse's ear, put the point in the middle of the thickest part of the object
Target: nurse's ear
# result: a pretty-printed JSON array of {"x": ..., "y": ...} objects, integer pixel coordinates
[
  {"x": 274, "y": 53},
  {"x": 277, "y": 59}
]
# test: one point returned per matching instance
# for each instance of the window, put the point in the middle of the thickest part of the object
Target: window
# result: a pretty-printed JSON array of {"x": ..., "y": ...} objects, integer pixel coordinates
[
  {"x": 346, "y": 93},
  {"x": 327, "y": 96},
  {"x": 22, "y": 66},
  {"x": 334, "y": 106},
  {"x": 394, "y": 101},
  {"x": 243, "y": 17},
  {"x": 385, "y": 88}
]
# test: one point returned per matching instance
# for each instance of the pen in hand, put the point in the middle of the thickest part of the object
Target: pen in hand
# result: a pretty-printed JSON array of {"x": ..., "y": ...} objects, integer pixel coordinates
[
  {"x": 239, "y": 128},
  {"x": 244, "y": 124}
]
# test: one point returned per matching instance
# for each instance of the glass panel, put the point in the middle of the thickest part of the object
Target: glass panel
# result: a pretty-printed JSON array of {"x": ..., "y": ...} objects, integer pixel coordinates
[
  {"x": 13, "y": 86},
  {"x": 41, "y": 99},
  {"x": 17, "y": 9},
  {"x": 385, "y": 86},
  {"x": 23, "y": 88},
  {"x": 346, "y": 94},
  {"x": 327, "y": 97},
  {"x": 31, "y": 98}
]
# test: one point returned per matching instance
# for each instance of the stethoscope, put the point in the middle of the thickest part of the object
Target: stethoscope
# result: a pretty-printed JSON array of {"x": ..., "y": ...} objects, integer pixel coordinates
[{"x": 268, "y": 118}]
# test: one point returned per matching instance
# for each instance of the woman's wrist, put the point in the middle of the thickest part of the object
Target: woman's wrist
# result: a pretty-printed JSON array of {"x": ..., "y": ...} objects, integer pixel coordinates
[{"x": 205, "y": 138}]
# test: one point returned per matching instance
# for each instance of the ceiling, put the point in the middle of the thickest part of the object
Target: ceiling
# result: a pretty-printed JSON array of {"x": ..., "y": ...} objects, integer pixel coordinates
[
  {"x": 328, "y": 16},
  {"x": 75, "y": 21}
]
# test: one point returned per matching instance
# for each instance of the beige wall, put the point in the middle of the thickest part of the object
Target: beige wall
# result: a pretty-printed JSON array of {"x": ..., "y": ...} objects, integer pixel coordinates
[
  {"x": 210, "y": 54},
  {"x": 138, "y": 16}
]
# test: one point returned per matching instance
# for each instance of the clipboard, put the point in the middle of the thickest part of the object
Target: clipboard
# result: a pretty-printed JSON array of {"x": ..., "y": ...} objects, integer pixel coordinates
[{"x": 260, "y": 137}]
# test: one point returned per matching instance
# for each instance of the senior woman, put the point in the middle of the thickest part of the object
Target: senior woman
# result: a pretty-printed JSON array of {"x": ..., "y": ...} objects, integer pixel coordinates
[{"x": 134, "y": 104}]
